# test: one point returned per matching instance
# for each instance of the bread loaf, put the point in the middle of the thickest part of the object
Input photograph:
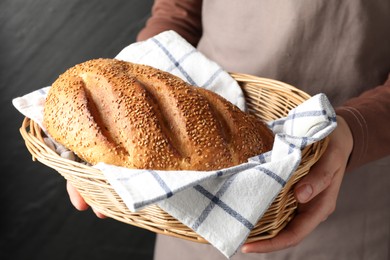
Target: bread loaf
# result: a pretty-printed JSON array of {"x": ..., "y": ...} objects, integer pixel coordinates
[{"x": 136, "y": 116}]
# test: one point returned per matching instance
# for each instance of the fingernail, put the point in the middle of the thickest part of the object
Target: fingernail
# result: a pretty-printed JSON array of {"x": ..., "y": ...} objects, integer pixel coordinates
[{"x": 304, "y": 193}]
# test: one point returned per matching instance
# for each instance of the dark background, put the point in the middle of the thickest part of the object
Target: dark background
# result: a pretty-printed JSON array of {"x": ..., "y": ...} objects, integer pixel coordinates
[{"x": 39, "y": 40}]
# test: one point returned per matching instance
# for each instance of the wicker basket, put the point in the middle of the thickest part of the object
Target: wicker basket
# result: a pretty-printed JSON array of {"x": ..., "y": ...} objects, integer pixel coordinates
[{"x": 268, "y": 99}]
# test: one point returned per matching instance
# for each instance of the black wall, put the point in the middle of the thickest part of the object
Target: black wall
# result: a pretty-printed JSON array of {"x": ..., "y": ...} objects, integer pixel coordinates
[{"x": 39, "y": 40}]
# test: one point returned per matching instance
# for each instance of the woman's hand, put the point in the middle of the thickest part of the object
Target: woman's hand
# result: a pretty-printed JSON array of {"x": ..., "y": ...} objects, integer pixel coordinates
[
  {"x": 316, "y": 193},
  {"x": 78, "y": 201}
]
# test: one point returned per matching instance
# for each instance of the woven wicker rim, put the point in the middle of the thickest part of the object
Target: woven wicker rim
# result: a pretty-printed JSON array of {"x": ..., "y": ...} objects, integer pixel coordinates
[{"x": 266, "y": 98}]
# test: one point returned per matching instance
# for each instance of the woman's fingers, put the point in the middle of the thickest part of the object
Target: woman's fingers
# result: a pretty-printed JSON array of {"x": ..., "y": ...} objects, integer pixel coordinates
[
  {"x": 78, "y": 202},
  {"x": 320, "y": 177},
  {"x": 333, "y": 161},
  {"x": 98, "y": 214},
  {"x": 75, "y": 198}
]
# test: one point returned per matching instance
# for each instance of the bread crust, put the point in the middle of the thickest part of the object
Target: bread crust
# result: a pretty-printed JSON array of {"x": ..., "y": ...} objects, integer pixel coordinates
[{"x": 136, "y": 116}]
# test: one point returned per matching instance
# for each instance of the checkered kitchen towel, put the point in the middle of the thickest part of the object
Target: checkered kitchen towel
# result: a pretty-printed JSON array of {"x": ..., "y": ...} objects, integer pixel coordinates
[
  {"x": 168, "y": 51},
  {"x": 222, "y": 206}
]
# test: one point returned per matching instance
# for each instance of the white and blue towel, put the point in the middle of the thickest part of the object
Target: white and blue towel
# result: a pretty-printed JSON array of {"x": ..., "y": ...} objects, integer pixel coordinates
[
  {"x": 168, "y": 51},
  {"x": 221, "y": 206}
]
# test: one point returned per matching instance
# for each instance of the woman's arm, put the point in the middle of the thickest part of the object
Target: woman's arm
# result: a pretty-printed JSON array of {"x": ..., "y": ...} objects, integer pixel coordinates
[
  {"x": 184, "y": 17},
  {"x": 368, "y": 117}
]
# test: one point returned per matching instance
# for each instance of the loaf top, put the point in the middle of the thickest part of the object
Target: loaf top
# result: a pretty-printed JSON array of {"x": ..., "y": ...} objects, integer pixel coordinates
[{"x": 136, "y": 116}]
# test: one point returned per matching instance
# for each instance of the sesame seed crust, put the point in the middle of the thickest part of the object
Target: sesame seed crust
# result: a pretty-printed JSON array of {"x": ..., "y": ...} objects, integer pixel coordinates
[{"x": 136, "y": 116}]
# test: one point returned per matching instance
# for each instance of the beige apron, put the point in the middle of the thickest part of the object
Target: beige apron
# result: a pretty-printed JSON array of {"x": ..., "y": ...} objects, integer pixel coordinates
[{"x": 340, "y": 48}]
